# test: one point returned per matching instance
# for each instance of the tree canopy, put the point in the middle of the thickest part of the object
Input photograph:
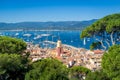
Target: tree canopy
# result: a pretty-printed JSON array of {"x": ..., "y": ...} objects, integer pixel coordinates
[
  {"x": 97, "y": 75},
  {"x": 47, "y": 69},
  {"x": 105, "y": 30},
  {"x": 111, "y": 62},
  {"x": 11, "y": 45},
  {"x": 12, "y": 67},
  {"x": 95, "y": 45},
  {"x": 78, "y": 72}
]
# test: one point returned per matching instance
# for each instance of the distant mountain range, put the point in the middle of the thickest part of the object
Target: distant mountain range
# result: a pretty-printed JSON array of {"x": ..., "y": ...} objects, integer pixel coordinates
[{"x": 60, "y": 25}]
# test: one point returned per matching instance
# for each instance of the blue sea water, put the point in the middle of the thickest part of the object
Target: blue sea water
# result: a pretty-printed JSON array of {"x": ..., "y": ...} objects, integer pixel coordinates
[{"x": 38, "y": 37}]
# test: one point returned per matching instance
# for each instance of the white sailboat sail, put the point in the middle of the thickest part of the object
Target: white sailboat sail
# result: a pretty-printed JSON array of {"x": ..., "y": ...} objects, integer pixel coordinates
[{"x": 84, "y": 42}]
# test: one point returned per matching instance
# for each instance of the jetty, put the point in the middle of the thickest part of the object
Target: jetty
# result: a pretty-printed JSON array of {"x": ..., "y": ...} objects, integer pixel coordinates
[{"x": 64, "y": 45}]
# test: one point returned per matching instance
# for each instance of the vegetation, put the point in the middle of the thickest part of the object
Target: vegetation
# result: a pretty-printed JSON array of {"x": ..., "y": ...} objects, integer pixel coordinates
[
  {"x": 51, "y": 69},
  {"x": 12, "y": 67},
  {"x": 111, "y": 62},
  {"x": 11, "y": 45},
  {"x": 47, "y": 69},
  {"x": 97, "y": 75},
  {"x": 110, "y": 66},
  {"x": 95, "y": 45},
  {"x": 106, "y": 31},
  {"x": 78, "y": 73}
]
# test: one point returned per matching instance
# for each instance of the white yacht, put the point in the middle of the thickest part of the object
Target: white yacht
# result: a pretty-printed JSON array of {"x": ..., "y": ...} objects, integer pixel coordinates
[{"x": 28, "y": 35}]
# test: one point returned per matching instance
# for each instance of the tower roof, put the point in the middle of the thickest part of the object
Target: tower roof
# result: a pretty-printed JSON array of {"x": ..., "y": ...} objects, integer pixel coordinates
[{"x": 59, "y": 44}]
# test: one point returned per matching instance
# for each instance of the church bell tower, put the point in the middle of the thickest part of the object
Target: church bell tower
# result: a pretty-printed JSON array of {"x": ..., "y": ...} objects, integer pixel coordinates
[{"x": 59, "y": 48}]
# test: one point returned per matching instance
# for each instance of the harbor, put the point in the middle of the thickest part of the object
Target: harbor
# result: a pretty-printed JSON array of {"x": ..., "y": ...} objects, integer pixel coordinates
[{"x": 70, "y": 38}]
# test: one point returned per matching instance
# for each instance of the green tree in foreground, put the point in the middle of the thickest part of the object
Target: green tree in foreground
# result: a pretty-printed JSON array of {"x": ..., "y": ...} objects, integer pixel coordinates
[
  {"x": 11, "y": 45},
  {"x": 111, "y": 62},
  {"x": 12, "y": 67},
  {"x": 78, "y": 73},
  {"x": 47, "y": 69},
  {"x": 106, "y": 31},
  {"x": 97, "y": 75}
]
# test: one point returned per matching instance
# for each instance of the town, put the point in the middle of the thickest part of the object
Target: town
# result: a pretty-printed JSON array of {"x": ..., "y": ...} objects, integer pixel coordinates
[{"x": 68, "y": 55}]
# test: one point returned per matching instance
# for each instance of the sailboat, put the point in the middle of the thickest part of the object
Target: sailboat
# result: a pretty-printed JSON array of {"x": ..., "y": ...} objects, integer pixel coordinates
[
  {"x": 28, "y": 35},
  {"x": 84, "y": 42}
]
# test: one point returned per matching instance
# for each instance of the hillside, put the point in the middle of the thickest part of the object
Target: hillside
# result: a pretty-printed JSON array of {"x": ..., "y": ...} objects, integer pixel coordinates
[{"x": 60, "y": 25}]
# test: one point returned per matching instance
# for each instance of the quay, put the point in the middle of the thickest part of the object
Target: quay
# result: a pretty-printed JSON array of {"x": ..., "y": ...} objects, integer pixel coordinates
[{"x": 63, "y": 45}]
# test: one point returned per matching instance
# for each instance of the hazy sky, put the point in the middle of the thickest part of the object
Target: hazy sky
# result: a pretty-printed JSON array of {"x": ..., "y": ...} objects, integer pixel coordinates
[{"x": 56, "y": 10}]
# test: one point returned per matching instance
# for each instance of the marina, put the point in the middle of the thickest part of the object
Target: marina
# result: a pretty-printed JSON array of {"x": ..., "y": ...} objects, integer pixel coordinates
[{"x": 48, "y": 39}]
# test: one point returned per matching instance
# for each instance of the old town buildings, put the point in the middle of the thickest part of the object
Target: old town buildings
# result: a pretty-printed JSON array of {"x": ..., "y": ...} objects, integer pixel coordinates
[{"x": 70, "y": 56}]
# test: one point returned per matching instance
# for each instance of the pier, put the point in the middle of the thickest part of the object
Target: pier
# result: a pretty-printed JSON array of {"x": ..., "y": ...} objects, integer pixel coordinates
[{"x": 64, "y": 45}]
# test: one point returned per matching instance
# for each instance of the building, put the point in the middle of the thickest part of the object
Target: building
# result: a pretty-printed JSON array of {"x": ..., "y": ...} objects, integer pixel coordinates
[
  {"x": 59, "y": 49},
  {"x": 94, "y": 59}
]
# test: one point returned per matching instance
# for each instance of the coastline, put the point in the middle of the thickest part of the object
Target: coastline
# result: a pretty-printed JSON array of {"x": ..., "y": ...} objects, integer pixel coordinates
[{"x": 39, "y": 30}]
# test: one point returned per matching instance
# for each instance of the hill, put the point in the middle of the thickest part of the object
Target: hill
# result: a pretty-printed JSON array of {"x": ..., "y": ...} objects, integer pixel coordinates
[{"x": 60, "y": 25}]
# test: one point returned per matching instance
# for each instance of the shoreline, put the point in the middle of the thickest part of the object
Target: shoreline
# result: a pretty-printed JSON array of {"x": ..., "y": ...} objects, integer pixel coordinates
[{"x": 39, "y": 30}]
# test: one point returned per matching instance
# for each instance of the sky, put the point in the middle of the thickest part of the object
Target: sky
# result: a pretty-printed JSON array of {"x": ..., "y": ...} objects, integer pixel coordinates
[{"x": 12, "y": 11}]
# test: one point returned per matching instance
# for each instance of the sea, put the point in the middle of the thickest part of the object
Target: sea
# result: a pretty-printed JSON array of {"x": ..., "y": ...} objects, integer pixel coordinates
[{"x": 71, "y": 38}]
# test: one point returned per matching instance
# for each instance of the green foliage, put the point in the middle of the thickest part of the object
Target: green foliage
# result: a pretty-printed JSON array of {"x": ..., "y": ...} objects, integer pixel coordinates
[
  {"x": 97, "y": 75},
  {"x": 111, "y": 62},
  {"x": 47, "y": 69},
  {"x": 78, "y": 72},
  {"x": 105, "y": 30},
  {"x": 12, "y": 67},
  {"x": 85, "y": 33},
  {"x": 95, "y": 45},
  {"x": 109, "y": 23},
  {"x": 11, "y": 45}
]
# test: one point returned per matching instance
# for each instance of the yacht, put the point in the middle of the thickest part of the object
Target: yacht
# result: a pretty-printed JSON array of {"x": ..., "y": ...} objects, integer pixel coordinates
[
  {"x": 16, "y": 34},
  {"x": 28, "y": 35},
  {"x": 45, "y": 34},
  {"x": 38, "y": 36}
]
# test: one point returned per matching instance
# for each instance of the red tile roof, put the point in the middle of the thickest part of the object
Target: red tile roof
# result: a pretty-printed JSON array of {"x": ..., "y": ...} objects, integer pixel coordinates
[{"x": 98, "y": 52}]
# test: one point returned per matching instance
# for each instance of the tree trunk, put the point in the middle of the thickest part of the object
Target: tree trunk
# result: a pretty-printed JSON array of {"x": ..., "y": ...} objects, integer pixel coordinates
[
  {"x": 107, "y": 43},
  {"x": 103, "y": 45},
  {"x": 111, "y": 36},
  {"x": 101, "y": 41}
]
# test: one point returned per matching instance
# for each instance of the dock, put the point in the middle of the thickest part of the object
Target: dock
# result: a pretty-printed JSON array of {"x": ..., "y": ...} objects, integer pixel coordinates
[{"x": 64, "y": 45}]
